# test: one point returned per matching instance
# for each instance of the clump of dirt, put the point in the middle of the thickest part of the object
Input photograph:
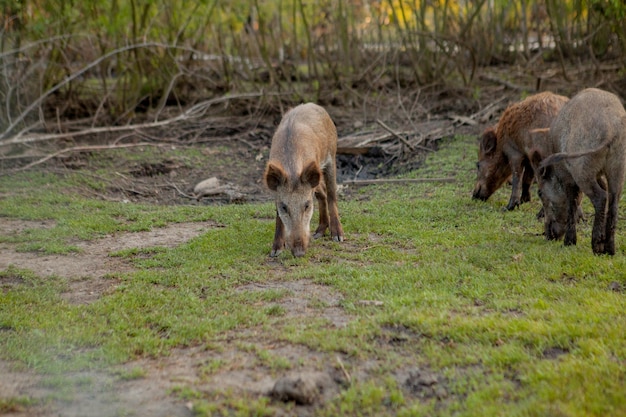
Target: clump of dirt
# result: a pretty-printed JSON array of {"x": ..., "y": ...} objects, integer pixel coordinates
[
  {"x": 425, "y": 384},
  {"x": 304, "y": 388}
]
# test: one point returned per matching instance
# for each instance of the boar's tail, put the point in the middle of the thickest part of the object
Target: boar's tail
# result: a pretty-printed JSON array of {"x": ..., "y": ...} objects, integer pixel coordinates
[{"x": 555, "y": 158}]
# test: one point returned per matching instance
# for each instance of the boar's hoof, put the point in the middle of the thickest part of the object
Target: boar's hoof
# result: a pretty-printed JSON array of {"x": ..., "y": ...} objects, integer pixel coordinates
[
  {"x": 275, "y": 252},
  {"x": 569, "y": 241},
  {"x": 540, "y": 214},
  {"x": 317, "y": 235},
  {"x": 298, "y": 252},
  {"x": 338, "y": 238},
  {"x": 598, "y": 248}
]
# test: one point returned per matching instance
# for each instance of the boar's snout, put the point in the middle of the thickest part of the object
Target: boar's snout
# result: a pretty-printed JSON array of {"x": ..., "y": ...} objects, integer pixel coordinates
[
  {"x": 554, "y": 230},
  {"x": 298, "y": 247},
  {"x": 480, "y": 193},
  {"x": 298, "y": 252}
]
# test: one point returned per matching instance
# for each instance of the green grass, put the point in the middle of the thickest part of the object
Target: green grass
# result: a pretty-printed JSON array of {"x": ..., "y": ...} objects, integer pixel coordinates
[{"x": 510, "y": 323}]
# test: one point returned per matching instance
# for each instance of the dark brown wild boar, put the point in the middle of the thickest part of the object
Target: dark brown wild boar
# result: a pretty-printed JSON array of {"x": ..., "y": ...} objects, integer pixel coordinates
[
  {"x": 302, "y": 165},
  {"x": 591, "y": 133},
  {"x": 504, "y": 149}
]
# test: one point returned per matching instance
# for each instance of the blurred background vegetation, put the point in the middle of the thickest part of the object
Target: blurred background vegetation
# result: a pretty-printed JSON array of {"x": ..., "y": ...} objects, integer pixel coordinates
[{"x": 111, "y": 61}]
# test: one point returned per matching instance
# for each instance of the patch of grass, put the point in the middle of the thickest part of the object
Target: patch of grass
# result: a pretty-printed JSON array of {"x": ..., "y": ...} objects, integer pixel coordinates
[
  {"x": 512, "y": 324},
  {"x": 212, "y": 366},
  {"x": 273, "y": 362},
  {"x": 15, "y": 404},
  {"x": 375, "y": 399},
  {"x": 235, "y": 406},
  {"x": 131, "y": 374}
]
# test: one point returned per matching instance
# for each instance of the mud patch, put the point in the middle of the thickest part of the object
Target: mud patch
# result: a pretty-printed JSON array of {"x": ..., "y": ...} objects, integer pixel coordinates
[
  {"x": 554, "y": 352},
  {"x": 93, "y": 272},
  {"x": 307, "y": 299},
  {"x": 16, "y": 227}
]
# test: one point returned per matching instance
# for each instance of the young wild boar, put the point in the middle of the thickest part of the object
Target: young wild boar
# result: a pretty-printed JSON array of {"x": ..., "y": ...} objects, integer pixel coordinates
[
  {"x": 504, "y": 148},
  {"x": 302, "y": 165},
  {"x": 591, "y": 133}
]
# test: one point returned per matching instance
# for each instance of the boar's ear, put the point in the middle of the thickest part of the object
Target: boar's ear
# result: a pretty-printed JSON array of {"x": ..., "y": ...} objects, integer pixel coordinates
[
  {"x": 274, "y": 176},
  {"x": 535, "y": 158},
  {"x": 535, "y": 162},
  {"x": 489, "y": 141},
  {"x": 311, "y": 175}
]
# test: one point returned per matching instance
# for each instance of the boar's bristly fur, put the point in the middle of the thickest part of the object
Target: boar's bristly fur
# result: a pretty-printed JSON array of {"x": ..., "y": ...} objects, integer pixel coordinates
[
  {"x": 591, "y": 133},
  {"x": 302, "y": 166},
  {"x": 504, "y": 149}
]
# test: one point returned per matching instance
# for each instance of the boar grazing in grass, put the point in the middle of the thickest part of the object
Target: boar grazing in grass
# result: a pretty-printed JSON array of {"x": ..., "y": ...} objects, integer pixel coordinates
[
  {"x": 504, "y": 149},
  {"x": 302, "y": 166},
  {"x": 591, "y": 133}
]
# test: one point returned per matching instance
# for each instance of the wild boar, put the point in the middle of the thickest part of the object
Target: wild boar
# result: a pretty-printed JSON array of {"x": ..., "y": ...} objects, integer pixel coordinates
[
  {"x": 591, "y": 133},
  {"x": 302, "y": 165},
  {"x": 504, "y": 149}
]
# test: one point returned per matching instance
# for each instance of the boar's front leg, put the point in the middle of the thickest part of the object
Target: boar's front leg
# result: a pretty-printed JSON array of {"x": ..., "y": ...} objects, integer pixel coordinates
[
  {"x": 336, "y": 230},
  {"x": 279, "y": 237},
  {"x": 517, "y": 174},
  {"x": 527, "y": 181},
  {"x": 322, "y": 203}
]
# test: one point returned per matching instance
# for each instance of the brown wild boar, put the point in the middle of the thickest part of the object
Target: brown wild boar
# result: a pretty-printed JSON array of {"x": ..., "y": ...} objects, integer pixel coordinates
[
  {"x": 591, "y": 133},
  {"x": 302, "y": 165},
  {"x": 504, "y": 149}
]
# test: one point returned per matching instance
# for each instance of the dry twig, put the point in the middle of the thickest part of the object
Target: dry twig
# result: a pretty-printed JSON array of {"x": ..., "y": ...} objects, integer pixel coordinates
[{"x": 390, "y": 130}]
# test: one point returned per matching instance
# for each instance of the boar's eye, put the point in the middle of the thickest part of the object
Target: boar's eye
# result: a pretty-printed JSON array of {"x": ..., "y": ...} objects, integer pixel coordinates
[
  {"x": 282, "y": 207},
  {"x": 307, "y": 205}
]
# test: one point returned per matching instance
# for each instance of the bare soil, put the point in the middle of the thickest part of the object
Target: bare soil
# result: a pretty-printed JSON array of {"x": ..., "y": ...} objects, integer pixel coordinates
[{"x": 235, "y": 153}]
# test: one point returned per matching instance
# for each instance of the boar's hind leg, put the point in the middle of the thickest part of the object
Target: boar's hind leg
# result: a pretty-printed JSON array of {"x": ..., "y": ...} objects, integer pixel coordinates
[
  {"x": 336, "y": 230},
  {"x": 596, "y": 191},
  {"x": 615, "y": 192},
  {"x": 279, "y": 238},
  {"x": 573, "y": 194},
  {"x": 322, "y": 202}
]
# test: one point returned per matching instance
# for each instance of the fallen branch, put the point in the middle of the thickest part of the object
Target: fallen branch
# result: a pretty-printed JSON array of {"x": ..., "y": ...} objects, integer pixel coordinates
[
  {"x": 486, "y": 113},
  {"x": 390, "y": 130},
  {"x": 191, "y": 113},
  {"x": 83, "y": 149},
  {"x": 436, "y": 134},
  {"x": 397, "y": 181},
  {"x": 463, "y": 120}
]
